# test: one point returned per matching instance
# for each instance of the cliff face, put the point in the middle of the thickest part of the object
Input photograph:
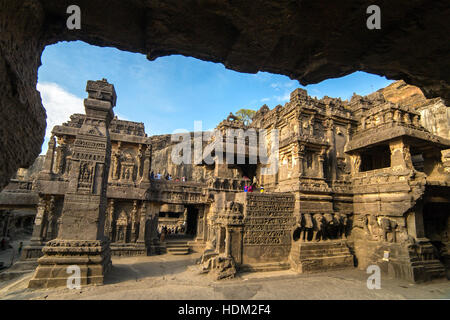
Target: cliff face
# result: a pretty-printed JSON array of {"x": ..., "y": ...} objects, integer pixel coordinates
[
  {"x": 32, "y": 172},
  {"x": 161, "y": 162}
]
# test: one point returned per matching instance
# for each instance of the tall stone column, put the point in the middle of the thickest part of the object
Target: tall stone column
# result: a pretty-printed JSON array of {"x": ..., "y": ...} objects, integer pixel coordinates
[
  {"x": 36, "y": 238},
  {"x": 81, "y": 239},
  {"x": 147, "y": 165},
  {"x": 47, "y": 171},
  {"x": 140, "y": 242},
  {"x": 330, "y": 133}
]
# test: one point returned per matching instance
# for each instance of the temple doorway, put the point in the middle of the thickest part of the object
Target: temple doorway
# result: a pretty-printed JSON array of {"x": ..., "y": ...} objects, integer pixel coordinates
[{"x": 191, "y": 221}]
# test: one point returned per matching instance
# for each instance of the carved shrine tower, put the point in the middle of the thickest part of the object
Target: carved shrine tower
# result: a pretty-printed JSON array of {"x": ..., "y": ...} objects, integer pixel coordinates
[{"x": 81, "y": 239}]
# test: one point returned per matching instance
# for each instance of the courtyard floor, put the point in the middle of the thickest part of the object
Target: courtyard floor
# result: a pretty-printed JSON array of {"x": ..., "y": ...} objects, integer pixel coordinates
[{"x": 172, "y": 277}]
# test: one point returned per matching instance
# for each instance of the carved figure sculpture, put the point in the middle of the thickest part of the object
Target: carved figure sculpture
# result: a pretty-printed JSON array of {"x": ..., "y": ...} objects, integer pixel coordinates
[{"x": 388, "y": 226}]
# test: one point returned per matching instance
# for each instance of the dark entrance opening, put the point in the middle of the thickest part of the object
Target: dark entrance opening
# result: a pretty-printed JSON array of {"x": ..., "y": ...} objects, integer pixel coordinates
[
  {"x": 191, "y": 223},
  {"x": 376, "y": 158},
  {"x": 436, "y": 224}
]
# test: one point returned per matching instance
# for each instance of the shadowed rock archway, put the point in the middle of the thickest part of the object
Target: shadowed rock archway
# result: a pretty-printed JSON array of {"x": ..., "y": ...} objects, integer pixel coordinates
[{"x": 306, "y": 40}]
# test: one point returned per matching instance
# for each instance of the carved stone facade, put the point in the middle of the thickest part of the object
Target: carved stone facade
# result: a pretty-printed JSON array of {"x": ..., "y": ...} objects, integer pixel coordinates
[{"x": 359, "y": 182}]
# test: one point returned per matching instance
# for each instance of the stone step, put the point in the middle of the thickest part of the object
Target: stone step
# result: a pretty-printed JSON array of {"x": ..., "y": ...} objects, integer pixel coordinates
[
  {"x": 435, "y": 270},
  {"x": 264, "y": 267},
  {"x": 176, "y": 244},
  {"x": 178, "y": 250},
  {"x": 320, "y": 253}
]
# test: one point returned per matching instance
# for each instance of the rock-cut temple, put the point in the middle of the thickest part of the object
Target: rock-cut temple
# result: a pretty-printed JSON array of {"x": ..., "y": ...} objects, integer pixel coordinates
[{"x": 358, "y": 183}]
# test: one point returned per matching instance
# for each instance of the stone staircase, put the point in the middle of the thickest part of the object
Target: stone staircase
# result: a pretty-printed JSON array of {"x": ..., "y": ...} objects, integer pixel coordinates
[
  {"x": 177, "y": 247},
  {"x": 434, "y": 269}
]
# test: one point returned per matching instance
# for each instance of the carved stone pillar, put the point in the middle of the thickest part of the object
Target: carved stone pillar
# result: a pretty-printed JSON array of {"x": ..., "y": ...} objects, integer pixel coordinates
[
  {"x": 47, "y": 171},
  {"x": 355, "y": 163},
  {"x": 140, "y": 241},
  {"x": 147, "y": 164},
  {"x": 80, "y": 239},
  {"x": 60, "y": 162},
  {"x": 228, "y": 242},
  {"x": 332, "y": 172},
  {"x": 51, "y": 219},
  {"x": 400, "y": 155},
  {"x": 321, "y": 159},
  {"x": 36, "y": 238},
  {"x": 200, "y": 225},
  {"x": 134, "y": 222},
  {"x": 301, "y": 160},
  {"x": 109, "y": 220}
]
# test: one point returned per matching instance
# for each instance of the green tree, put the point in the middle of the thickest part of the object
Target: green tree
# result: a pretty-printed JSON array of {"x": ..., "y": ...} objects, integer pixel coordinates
[{"x": 245, "y": 115}]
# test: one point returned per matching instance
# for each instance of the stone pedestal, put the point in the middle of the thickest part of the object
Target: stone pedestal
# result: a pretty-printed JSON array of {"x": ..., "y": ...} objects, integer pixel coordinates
[
  {"x": 308, "y": 257},
  {"x": 93, "y": 257},
  {"x": 128, "y": 249}
]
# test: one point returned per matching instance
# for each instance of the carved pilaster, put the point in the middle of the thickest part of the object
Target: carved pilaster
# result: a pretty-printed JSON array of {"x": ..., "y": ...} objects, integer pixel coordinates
[
  {"x": 134, "y": 222},
  {"x": 147, "y": 164},
  {"x": 142, "y": 223}
]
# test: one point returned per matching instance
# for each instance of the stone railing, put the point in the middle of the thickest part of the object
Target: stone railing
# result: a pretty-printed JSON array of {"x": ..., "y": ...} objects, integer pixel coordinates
[{"x": 19, "y": 186}]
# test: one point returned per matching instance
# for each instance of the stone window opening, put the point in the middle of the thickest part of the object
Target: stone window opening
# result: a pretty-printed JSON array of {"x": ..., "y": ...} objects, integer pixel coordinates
[{"x": 376, "y": 158}]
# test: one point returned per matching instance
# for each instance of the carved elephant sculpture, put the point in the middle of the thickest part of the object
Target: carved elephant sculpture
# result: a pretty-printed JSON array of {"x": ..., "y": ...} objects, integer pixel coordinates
[{"x": 318, "y": 229}]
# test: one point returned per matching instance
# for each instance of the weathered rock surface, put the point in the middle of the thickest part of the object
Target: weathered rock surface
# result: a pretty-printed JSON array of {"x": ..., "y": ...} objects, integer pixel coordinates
[{"x": 306, "y": 40}]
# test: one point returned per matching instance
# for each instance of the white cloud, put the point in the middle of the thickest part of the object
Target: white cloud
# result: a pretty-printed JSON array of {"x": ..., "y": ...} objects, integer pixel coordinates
[
  {"x": 283, "y": 98},
  {"x": 265, "y": 99},
  {"x": 277, "y": 85},
  {"x": 59, "y": 104}
]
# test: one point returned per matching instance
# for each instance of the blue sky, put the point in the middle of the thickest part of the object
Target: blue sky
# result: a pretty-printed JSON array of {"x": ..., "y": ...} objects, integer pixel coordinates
[{"x": 171, "y": 92}]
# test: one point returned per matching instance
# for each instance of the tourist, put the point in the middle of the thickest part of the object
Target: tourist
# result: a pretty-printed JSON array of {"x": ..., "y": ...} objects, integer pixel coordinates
[
  {"x": 250, "y": 188},
  {"x": 183, "y": 179},
  {"x": 262, "y": 190},
  {"x": 177, "y": 180},
  {"x": 158, "y": 176},
  {"x": 169, "y": 177},
  {"x": 245, "y": 188},
  {"x": 20, "y": 247},
  {"x": 152, "y": 175}
]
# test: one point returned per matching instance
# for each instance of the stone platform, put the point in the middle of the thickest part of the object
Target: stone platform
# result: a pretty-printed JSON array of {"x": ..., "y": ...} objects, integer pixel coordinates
[
  {"x": 308, "y": 257},
  {"x": 128, "y": 249},
  {"x": 410, "y": 262},
  {"x": 92, "y": 256}
]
